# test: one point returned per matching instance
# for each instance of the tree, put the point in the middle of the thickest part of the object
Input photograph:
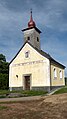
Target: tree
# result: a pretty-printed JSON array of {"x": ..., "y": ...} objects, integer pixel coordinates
[
  {"x": 65, "y": 80},
  {"x": 4, "y": 67},
  {"x": 4, "y": 72},
  {"x": 2, "y": 58},
  {"x": 4, "y": 83}
]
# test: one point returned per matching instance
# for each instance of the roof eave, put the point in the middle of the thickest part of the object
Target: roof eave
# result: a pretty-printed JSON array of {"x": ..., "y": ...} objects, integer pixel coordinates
[
  {"x": 57, "y": 63},
  {"x": 32, "y": 28}
]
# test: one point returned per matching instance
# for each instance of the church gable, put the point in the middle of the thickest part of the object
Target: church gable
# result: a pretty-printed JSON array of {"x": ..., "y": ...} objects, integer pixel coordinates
[{"x": 27, "y": 54}]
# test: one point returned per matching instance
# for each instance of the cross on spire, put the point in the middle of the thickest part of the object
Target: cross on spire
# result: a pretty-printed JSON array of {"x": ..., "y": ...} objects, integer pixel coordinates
[{"x": 31, "y": 11}]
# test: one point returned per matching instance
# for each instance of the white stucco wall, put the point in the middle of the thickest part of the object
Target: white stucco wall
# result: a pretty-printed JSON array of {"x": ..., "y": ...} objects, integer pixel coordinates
[{"x": 36, "y": 65}]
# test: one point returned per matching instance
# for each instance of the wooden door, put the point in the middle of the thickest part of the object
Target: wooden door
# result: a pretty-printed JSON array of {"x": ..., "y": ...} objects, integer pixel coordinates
[{"x": 27, "y": 82}]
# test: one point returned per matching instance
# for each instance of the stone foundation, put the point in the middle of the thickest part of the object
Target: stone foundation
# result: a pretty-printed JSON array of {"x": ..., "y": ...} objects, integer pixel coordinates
[
  {"x": 55, "y": 87},
  {"x": 46, "y": 88}
]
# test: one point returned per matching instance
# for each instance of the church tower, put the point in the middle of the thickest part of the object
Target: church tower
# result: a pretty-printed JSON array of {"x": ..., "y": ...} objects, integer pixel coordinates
[{"x": 32, "y": 33}]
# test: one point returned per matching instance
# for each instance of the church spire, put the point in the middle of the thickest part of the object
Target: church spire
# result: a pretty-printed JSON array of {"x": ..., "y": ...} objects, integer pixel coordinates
[
  {"x": 31, "y": 23},
  {"x": 32, "y": 33}
]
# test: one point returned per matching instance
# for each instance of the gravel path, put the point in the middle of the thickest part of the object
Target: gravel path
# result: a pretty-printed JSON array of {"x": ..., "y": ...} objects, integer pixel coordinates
[{"x": 20, "y": 99}]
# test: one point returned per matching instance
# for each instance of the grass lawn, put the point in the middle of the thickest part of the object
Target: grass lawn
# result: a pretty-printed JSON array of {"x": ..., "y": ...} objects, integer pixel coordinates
[
  {"x": 4, "y": 93},
  {"x": 62, "y": 90},
  {"x": 33, "y": 93}
]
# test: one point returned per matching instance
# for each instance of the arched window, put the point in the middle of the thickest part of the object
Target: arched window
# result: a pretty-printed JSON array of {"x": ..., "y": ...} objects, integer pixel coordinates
[
  {"x": 60, "y": 74},
  {"x": 27, "y": 54},
  {"x": 55, "y": 73}
]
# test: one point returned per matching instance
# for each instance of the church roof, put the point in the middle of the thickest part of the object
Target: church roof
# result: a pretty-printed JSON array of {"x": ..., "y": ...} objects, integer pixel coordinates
[
  {"x": 42, "y": 53},
  {"x": 52, "y": 60},
  {"x": 32, "y": 28}
]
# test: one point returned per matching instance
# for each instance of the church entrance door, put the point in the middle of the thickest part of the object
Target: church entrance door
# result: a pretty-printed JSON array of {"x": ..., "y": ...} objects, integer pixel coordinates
[{"x": 27, "y": 82}]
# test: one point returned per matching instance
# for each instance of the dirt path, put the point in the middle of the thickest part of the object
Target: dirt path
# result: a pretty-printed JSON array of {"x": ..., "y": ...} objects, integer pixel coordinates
[
  {"x": 46, "y": 107},
  {"x": 20, "y": 99}
]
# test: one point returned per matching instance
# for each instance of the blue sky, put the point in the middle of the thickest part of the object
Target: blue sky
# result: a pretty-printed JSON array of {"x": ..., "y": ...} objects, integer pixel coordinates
[{"x": 50, "y": 17}]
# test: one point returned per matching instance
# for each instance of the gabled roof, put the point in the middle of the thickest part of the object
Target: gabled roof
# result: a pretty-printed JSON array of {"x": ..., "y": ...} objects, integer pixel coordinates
[
  {"x": 42, "y": 53},
  {"x": 52, "y": 60}
]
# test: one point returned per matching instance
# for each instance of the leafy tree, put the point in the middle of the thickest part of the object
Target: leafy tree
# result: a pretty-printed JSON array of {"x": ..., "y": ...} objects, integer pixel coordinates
[
  {"x": 4, "y": 72},
  {"x": 4, "y": 84},
  {"x": 4, "y": 67},
  {"x": 2, "y": 58},
  {"x": 65, "y": 80}
]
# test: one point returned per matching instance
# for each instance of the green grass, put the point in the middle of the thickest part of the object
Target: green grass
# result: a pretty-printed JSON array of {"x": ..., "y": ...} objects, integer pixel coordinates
[
  {"x": 30, "y": 92},
  {"x": 3, "y": 93},
  {"x": 3, "y": 107},
  {"x": 33, "y": 93},
  {"x": 2, "y": 96},
  {"x": 62, "y": 90}
]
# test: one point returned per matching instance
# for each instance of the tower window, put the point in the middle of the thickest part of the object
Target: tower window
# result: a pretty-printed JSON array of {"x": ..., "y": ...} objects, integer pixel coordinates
[
  {"x": 28, "y": 38},
  {"x": 27, "y": 54},
  {"x": 37, "y": 39}
]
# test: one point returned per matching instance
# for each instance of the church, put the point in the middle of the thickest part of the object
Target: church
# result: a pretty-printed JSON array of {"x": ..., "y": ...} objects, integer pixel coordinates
[{"x": 32, "y": 68}]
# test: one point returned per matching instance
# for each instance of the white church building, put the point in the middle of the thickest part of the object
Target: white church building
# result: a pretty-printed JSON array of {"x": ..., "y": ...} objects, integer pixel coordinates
[{"x": 32, "y": 68}]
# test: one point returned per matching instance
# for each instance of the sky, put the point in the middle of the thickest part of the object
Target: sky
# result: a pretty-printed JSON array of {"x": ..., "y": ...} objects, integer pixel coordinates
[{"x": 50, "y": 17}]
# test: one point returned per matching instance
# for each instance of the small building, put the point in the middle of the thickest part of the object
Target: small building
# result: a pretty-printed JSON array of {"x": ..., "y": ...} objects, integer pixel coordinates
[{"x": 32, "y": 68}]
